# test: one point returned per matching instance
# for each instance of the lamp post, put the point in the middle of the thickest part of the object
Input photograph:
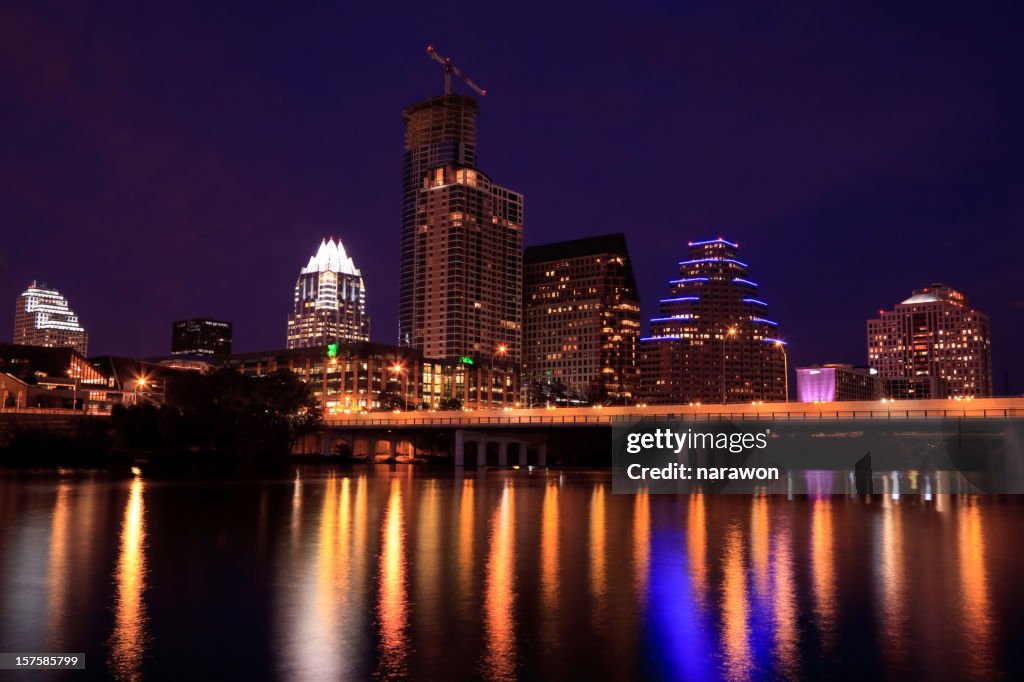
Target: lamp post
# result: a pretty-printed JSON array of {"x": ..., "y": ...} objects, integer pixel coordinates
[
  {"x": 501, "y": 350},
  {"x": 140, "y": 382},
  {"x": 731, "y": 332},
  {"x": 785, "y": 365},
  {"x": 74, "y": 390},
  {"x": 399, "y": 369}
]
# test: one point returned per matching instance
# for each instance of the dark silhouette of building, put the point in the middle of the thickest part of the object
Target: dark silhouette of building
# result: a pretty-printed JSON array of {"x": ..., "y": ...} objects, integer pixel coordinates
[
  {"x": 201, "y": 336},
  {"x": 712, "y": 340},
  {"x": 837, "y": 382},
  {"x": 461, "y": 242},
  {"x": 581, "y": 318}
]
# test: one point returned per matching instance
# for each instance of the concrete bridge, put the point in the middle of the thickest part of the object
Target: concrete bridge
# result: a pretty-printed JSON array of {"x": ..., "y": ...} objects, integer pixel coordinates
[{"x": 519, "y": 436}]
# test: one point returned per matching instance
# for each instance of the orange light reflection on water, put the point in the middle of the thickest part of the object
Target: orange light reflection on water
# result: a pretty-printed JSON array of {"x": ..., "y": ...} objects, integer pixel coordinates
[
  {"x": 598, "y": 557},
  {"x": 787, "y": 634},
  {"x": 549, "y": 550},
  {"x": 735, "y": 635},
  {"x": 499, "y": 598},
  {"x": 641, "y": 545},
  {"x": 393, "y": 608},
  {"x": 128, "y": 641},
  {"x": 696, "y": 545},
  {"x": 57, "y": 569},
  {"x": 823, "y": 569},
  {"x": 892, "y": 582},
  {"x": 977, "y": 609}
]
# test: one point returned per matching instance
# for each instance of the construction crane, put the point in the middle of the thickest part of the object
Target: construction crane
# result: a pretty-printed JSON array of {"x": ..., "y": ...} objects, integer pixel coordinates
[{"x": 450, "y": 69}]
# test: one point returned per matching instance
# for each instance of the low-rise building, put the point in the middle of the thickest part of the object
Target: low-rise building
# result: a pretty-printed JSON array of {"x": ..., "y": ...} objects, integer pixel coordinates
[
  {"x": 367, "y": 376},
  {"x": 837, "y": 382}
]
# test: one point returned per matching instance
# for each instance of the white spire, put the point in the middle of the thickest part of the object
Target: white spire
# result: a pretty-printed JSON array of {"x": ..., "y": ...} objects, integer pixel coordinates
[{"x": 331, "y": 257}]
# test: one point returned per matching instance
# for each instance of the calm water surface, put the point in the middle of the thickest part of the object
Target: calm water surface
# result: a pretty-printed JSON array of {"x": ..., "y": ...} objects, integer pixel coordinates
[{"x": 396, "y": 573}]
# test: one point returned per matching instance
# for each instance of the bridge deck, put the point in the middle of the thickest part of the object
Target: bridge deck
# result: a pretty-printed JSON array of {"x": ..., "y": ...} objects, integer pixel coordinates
[{"x": 985, "y": 408}]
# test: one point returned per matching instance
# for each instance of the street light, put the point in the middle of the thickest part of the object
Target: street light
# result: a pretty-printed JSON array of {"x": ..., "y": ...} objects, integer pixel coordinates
[
  {"x": 730, "y": 332},
  {"x": 398, "y": 368},
  {"x": 501, "y": 350},
  {"x": 140, "y": 382},
  {"x": 785, "y": 364}
]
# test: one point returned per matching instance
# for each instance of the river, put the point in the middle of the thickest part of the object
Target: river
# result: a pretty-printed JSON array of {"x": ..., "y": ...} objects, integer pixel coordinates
[{"x": 396, "y": 572}]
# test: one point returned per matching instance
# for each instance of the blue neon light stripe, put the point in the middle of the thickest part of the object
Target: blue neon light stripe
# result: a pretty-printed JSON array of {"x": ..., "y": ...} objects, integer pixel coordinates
[
  {"x": 715, "y": 241},
  {"x": 714, "y": 260}
]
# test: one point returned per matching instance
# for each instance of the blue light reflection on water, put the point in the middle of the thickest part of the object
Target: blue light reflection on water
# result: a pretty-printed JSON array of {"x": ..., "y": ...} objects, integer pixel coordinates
[{"x": 679, "y": 640}]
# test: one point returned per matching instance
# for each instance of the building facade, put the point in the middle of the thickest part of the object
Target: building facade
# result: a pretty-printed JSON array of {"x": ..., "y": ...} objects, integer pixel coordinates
[
  {"x": 934, "y": 333},
  {"x": 834, "y": 382},
  {"x": 348, "y": 376},
  {"x": 357, "y": 377},
  {"x": 915, "y": 388},
  {"x": 330, "y": 301},
  {"x": 201, "y": 336},
  {"x": 42, "y": 317},
  {"x": 581, "y": 318},
  {"x": 55, "y": 378},
  {"x": 461, "y": 241},
  {"x": 712, "y": 341}
]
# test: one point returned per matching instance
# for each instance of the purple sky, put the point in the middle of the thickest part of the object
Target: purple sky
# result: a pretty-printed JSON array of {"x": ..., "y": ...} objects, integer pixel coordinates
[{"x": 167, "y": 161}]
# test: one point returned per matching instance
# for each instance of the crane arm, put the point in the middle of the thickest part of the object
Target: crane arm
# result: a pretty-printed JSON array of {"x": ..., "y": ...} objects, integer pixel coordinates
[
  {"x": 450, "y": 69},
  {"x": 465, "y": 79},
  {"x": 436, "y": 57}
]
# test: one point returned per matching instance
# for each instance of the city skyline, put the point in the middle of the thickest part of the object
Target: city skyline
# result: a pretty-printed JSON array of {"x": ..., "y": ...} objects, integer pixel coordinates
[{"x": 820, "y": 236}]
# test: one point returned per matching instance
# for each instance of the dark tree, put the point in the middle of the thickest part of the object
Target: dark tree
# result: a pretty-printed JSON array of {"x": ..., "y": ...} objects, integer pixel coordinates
[{"x": 450, "y": 404}]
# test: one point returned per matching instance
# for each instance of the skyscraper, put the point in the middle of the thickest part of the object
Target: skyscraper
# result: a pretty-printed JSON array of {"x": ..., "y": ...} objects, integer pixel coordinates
[
  {"x": 330, "y": 300},
  {"x": 934, "y": 333},
  {"x": 42, "y": 318},
  {"x": 462, "y": 235},
  {"x": 201, "y": 336},
  {"x": 712, "y": 341},
  {"x": 581, "y": 319}
]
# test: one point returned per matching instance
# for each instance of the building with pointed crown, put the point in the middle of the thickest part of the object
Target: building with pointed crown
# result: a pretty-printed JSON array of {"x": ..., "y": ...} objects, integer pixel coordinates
[{"x": 330, "y": 300}]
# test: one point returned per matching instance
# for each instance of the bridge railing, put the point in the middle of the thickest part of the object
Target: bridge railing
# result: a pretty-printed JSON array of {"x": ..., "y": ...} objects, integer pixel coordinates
[
  {"x": 42, "y": 410},
  {"x": 601, "y": 419}
]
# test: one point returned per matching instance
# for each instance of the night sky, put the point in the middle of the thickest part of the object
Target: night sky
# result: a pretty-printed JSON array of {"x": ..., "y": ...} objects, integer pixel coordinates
[{"x": 169, "y": 161}]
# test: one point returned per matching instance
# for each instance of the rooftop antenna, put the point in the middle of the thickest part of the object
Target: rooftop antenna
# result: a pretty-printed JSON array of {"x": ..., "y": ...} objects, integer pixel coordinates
[{"x": 450, "y": 69}]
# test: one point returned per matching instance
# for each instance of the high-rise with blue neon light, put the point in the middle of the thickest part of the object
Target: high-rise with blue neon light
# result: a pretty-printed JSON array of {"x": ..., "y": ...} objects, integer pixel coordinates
[{"x": 712, "y": 340}]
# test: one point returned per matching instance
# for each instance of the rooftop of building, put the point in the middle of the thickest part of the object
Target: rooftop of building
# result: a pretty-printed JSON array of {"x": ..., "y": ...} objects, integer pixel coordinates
[
  {"x": 934, "y": 294},
  {"x": 210, "y": 320},
  {"x": 577, "y": 248},
  {"x": 442, "y": 100},
  {"x": 51, "y": 360},
  {"x": 355, "y": 348},
  {"x": 840, "y": 366},
  {"x": 331, "y": 256}
]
